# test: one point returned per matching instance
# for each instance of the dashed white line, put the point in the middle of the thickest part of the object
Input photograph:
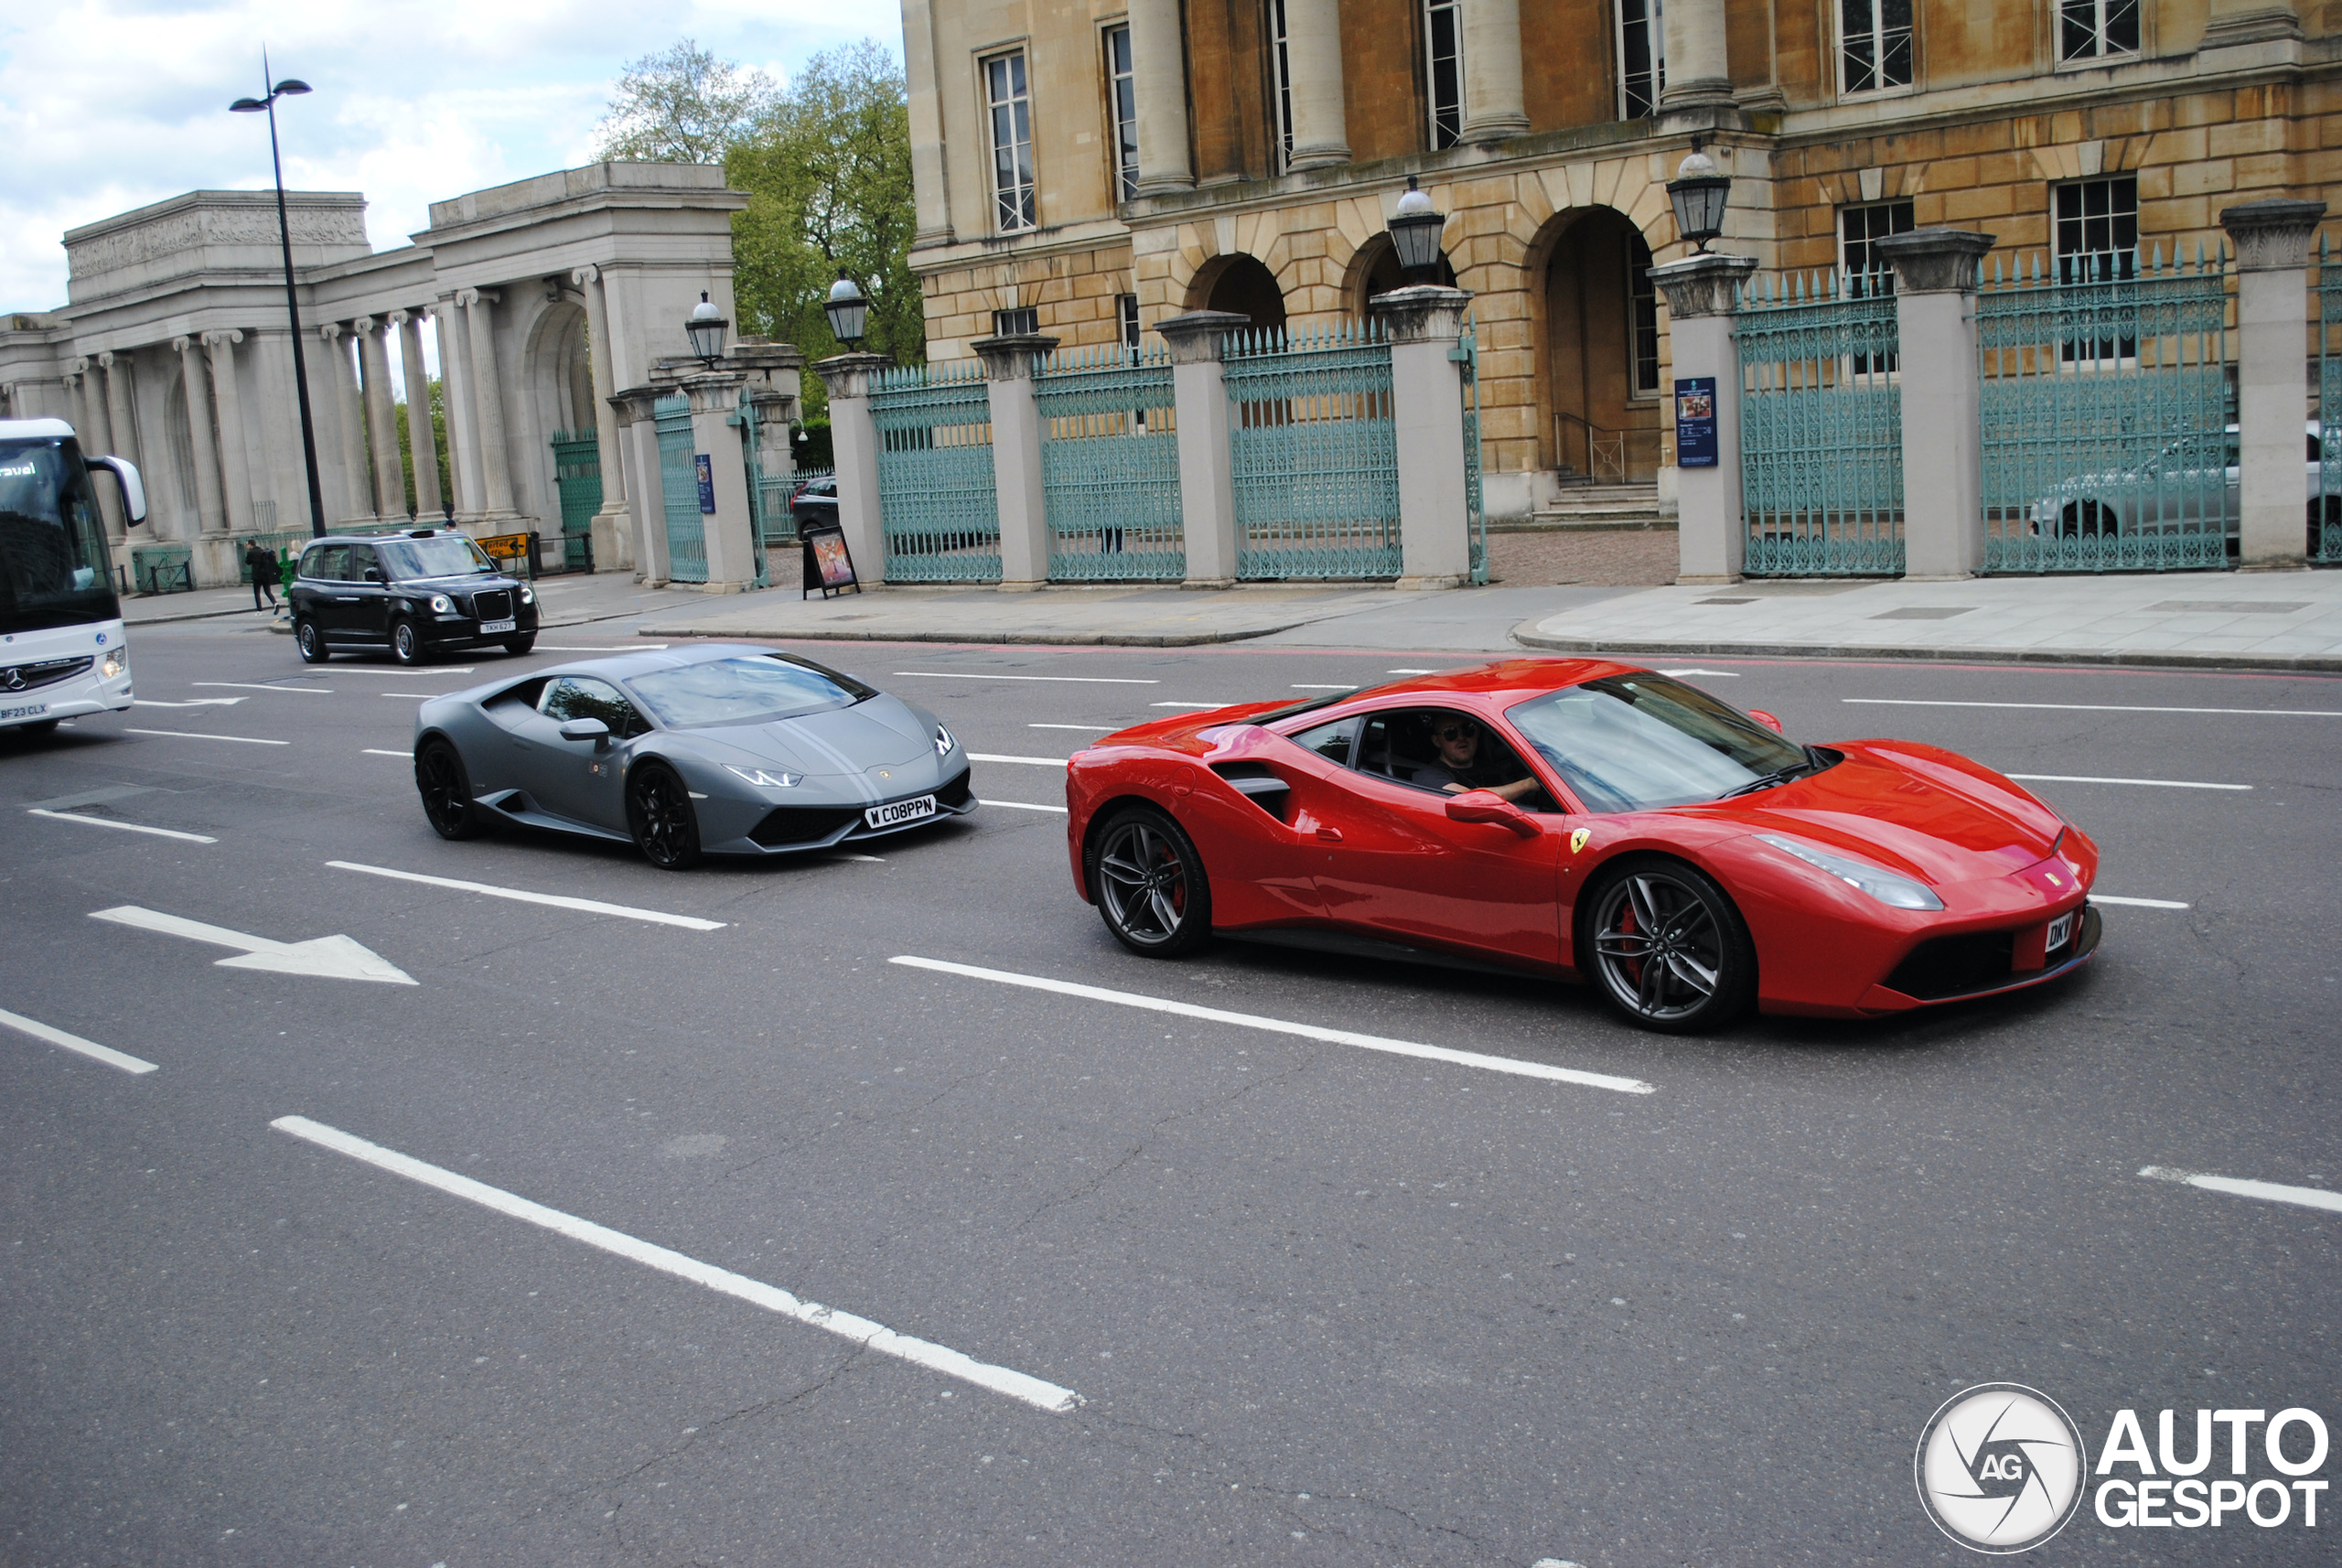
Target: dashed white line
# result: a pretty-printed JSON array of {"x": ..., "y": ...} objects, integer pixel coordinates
[
  {"x": 1025, "y": 806},
  {"x": 1187, "y": 704},
  {"x": 1003, "y": 757},
  {"x": 557, "y": 900},
  {"x": 580, "y": 648},
  {"x": 192, "y": 702},
  {"x": 425, "y": 696},
  {"x": 2236, "y": 1186},
  {"x": 1284, "y": 1026},
  {"x": 198, "y": 734},
  {"x": 1721, "y": 674},
  {"x": 90, "y": 1048},
  {"x": 2098, "y": 708},
  {"x": 378, "y": 751},
  {"x": 991, "y": 675},
  {"x": 2088, "y": 778},
  {"x": 1411, "y": 672},
  {"x": 2136, "y": 903},
  {"x": 256, "y": 686},
  {"x": 1094, "y": 729},
  {"x": 876, "y": 1337},
  {"x": 126, "y": 827},
  {"x": 1302, "y": 686}
]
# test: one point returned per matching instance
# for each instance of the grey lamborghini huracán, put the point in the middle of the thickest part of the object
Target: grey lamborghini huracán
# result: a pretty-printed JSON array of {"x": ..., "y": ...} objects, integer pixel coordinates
[{"x": 723, "y": 749}]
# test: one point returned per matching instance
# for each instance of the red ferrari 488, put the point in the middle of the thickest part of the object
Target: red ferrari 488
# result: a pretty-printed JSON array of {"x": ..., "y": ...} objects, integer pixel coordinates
[{"x": 1587, "y": 821}]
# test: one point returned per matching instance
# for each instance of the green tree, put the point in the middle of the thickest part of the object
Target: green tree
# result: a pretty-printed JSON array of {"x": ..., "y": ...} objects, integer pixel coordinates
[{"x": 684, "y": 106}]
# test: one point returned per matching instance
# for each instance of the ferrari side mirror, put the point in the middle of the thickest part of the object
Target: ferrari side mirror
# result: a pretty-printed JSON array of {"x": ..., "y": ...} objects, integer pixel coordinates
[
  {"x": 1487, "y": 806},
  {"x": 586, "y": 730},
  {"x": 1767, "y": 720}
]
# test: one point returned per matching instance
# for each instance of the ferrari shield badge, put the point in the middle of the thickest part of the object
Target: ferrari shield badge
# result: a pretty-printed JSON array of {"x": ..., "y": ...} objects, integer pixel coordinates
[{"x": 1578, "y": 839}]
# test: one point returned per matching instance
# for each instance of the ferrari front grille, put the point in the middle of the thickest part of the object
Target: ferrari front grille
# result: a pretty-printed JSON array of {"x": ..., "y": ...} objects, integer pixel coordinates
[
  {"x": 802, "y": 825},
  {"x": 49, "y": 671},
  {"x": 1955, "y": 966},
  {"x": 496, "y": 604}
]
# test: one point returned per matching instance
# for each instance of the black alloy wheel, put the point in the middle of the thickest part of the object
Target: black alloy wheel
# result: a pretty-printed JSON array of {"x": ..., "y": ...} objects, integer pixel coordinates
[
  {"x": 446, "y": 791},
  {"x": 407, "y": 643},
  {"x": 659, "y": 811},
  {"x": 1150, "y": 884},
  {"x": 517, "y": 646},
  {"x": 310, "y": 641},
  {"x": 1668, "y": 949}
]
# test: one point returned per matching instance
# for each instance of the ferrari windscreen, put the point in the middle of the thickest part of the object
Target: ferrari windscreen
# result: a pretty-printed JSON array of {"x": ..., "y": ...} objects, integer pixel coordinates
[
  {"x": 441, "y": 557},
  {"x": 744, "y": 691},
  {"x": 1635, "y": 743}
]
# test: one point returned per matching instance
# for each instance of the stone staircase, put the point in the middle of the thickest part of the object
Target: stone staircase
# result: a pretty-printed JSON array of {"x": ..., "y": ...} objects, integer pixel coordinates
[{"x": 1589, "y": 505}]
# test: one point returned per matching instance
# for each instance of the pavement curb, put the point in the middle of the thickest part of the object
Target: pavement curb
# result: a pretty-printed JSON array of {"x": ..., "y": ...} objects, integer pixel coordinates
[{"x": 1528, "y": 636}]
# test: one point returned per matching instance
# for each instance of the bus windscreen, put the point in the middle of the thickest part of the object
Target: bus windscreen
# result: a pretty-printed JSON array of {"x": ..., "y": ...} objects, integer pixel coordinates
[{"x": 54, "y": 569}]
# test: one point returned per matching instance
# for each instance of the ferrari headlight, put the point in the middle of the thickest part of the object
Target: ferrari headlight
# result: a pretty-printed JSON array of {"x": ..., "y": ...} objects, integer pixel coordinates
[
  {"x": 441, "y": 605},
  {"x": 1890, "y": 888},
  {"x": 528, "y": 595},
  {"x": 943, "y": 741},
  {"x": 764, "y": 778}
]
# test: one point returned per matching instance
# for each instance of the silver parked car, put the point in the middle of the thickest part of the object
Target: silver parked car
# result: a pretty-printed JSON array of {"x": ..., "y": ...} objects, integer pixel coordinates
[
  {"x": 722, "y": 749},
  {"x": 2189, "y": 483}
]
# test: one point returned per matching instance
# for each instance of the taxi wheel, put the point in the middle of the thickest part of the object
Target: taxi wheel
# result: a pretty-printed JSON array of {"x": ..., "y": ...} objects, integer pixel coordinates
[
  {"x": 516, "y": 646},
  {"x": 407, "y": 643},
  {"x": 659, "y": 811},
  {"x": 311, "y": 642}
]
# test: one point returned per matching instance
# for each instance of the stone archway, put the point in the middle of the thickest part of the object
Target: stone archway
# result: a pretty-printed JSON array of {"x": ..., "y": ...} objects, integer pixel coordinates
[
  {"x": 558, "y": 386},
  {"x": 1241, "y": 284},
  {"x": 1374, "y": 269},
  {"x": 1598, "y": 354}
]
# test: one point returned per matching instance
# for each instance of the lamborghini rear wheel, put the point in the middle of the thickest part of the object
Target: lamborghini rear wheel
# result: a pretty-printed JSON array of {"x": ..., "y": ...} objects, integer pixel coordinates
[
  {"x": 447, "y": 790},
  {"x": 1668, "y": 948}
]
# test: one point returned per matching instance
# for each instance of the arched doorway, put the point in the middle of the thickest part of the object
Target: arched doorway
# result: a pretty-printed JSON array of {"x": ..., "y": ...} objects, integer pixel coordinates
[
  {"x": 561, "y": 384},
  {"x": 1242, "y": 284},
  {"x": 1375, "y": 270},
  {"x": 1599, "y": 360}
]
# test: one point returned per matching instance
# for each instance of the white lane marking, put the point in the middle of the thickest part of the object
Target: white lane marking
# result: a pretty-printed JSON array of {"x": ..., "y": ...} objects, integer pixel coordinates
[
  {"x": 425, "y": 696},
  {"x": 1721, "y": 674},
  {"x": 1187, "y": 704},
  {"x": 126, "y": 827},
  {"x": 90, "y": 1048},
  {"x": 1300, "y": 686},
  {"x": 198, "y": 734},
  {"x": 1411, "y": 672},
  {"x": 195, "y": 702},
  {"x": 2136, "y": 903},
  {"x": 256, "y": 686},
  {"x": 1025, "y": 806},
  {"x": 1280, "y": 1026},
  {"x": 873, "y": 859},
  {"x": 376, "y": 751},
  {"x": 2098, "y": 708},
  {"x": 328, "y": 958},
  {"x": 1094, "y": 729},
  {"x": 2087, "y": 779},
  {"x": 1003, "y": 756},
  {"x": 989, "y": 675},
  {"x": 581, "y": 648},
  {"x": 870, "y": 1336},
  {"x": 558, "y": 901},
  {"x": 2269, "y": 1191}
]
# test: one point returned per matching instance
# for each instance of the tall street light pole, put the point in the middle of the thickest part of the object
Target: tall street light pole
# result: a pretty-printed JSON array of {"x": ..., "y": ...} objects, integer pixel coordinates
[{"x": 289, "y": 88}]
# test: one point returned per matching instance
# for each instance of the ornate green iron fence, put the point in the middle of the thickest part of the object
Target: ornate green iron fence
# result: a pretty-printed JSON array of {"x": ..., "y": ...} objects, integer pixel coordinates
[
  {"x": 1109, "y": 466},
  {"x": 2105, "y": 412},
  {"x": 935, "y": 475},
  {"x": 679, "y": 490},
  {"x": 2325, "y": 518},
  {"x": 577, "y": 477},
  {"x": 1821, "y": 428},
  {"x": 753, "y": 458},
  {"x": 1315, "y": 455},
  {"x": 1466, "y": 353},
  {"x": 162, "y": 569}
]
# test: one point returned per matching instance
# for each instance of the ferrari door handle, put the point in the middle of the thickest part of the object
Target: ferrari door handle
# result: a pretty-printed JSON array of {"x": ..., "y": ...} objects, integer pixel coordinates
[{"x": 1330, "y": 835}]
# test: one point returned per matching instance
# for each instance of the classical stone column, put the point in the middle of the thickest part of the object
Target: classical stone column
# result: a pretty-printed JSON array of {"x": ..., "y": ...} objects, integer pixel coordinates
[
  {"x": 1207, "y": 468},
  {"x": 122, "y": 420},
  {"x": 382, "y": 418},
  {"x": 609, "y": 529},
  {"x": 357, "y": 491},
  {"x": 2235, "y": 24},
  {"x": 487, "y": 402},
  {"x": 931, "y": 179},
  {"x": 2272, "y": 240},
  {"x": 1943, "y": 441},
  {"x": 730, "y": 529},
  {"x": 93, "y": 421},
  {"x": 853, "y": 445},
  {"x": 1424, "y": 323},
  {"x": 1159, "y": 80},
  {"x": 636, "y": 411},
  {"x": 1713, "y": 541},
  {"x": 455, "y": 369},
  {"x": 422, "y": 441},
  {"x": 1314, "y": 53},
  {"x": 1699, "y": 74},
  {"x": 1493, "y": 106},
  {"x": 207, "y": 508},
  {"x": 235, "y": 459},
  {"x": 1009, "y": 364}
]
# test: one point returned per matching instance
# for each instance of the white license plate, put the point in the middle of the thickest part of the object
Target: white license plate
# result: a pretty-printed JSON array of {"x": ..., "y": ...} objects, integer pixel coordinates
[
  {"x": 487, "y": 626},
  {"x": 896, "y": 812},
  {"x": 2060, "y": 928},
  {"x": 36, "y": 709}
]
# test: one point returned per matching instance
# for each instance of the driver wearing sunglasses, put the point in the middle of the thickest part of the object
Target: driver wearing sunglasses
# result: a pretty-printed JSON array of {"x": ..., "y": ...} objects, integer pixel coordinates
[{"x": 1465, "y": 764}]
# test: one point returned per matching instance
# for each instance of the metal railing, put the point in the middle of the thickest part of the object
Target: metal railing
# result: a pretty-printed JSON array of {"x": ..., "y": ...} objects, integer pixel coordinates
[
  {"x": 935, "y": 474},
  {"x": 1315, "y": 453},
  {"x": 1109, "y": 466},
  {"x": 1628, "y": 457},
  {"x": 679, "y": 490}
]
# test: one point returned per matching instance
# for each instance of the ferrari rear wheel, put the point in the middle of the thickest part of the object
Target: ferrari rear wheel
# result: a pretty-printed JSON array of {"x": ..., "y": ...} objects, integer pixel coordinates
[
  {"x": 1668, "y": 949},
  {"x": 1152, "y": 891},
  {"x": 659, "y": 810},
  {"x": 446, "y": 791}
]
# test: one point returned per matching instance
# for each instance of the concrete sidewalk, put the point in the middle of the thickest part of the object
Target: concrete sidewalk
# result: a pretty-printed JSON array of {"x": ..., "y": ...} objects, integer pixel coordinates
[
  {"x": 1152, "y": 615},
  {"x": 561, "y": 601}
]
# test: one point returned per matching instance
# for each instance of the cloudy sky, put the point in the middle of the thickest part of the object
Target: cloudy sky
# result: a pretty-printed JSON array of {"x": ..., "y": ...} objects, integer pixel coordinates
[{"x": 108, "y": 104}]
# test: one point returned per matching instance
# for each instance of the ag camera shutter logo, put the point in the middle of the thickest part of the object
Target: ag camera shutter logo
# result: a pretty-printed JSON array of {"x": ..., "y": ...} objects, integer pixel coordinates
[{"x": 1999, "y": 1468}]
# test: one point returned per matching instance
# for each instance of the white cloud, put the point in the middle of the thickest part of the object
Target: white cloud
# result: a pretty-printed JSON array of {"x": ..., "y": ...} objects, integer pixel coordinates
[{"x": 110, "y": 105}]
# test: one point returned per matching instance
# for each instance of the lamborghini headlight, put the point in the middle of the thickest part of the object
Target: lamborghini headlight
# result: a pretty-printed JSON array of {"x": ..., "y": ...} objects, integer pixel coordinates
[
  {"x": 1890, "y": 888},
  {"x": 766, "y": 778},
  {"x": 943, "y": 741}
]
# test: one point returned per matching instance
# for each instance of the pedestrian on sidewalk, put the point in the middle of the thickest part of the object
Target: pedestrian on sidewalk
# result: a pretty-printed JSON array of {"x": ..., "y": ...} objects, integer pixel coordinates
[{"x": 262, "y": 562}]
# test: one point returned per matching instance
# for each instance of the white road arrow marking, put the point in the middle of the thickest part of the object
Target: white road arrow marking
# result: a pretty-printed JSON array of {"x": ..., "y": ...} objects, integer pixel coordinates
[{"x": 329, "y": 957}]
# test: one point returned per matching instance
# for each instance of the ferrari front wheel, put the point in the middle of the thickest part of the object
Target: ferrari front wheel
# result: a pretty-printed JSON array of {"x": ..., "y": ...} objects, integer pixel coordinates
[
  {"x": 659, "y": 810},
  {"x": 1151, "y": 892},
  {"x": 1668, "y": 949}
]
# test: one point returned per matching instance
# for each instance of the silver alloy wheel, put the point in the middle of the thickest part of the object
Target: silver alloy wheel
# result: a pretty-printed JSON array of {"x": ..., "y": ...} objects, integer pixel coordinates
[
  {"x": 1658, "y": 945},
  {"x": 1142, "y": 883}
]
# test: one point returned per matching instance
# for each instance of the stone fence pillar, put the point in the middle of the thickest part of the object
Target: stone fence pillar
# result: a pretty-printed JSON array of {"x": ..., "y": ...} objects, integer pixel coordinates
[
  {"x": 613, "y": 549},
  {"x": 2272, "y": 386},
  {"x": 1424, "y": 323},
  {"x": 730, "y": 529},
  {"x": 1943, "y": 438},
  {"x": 1009, "y": 365},
  {"x": 854, "y": 445},
  {"x": 1712, "y": 542},
  {"x": 635, "y": 413},
  {"x": 1206, "y": 471}
]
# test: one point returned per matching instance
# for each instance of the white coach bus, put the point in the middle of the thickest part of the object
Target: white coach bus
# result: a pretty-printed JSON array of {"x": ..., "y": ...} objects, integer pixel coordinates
[{"x": 62, "y": 650}]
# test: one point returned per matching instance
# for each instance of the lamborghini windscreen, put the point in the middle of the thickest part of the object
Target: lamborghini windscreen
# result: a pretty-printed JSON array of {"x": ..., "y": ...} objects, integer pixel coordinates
[
  {"x": 53, "y": 565},
  {"x": 741, "y": 691},
  {"x": 1635, "y": 743}
]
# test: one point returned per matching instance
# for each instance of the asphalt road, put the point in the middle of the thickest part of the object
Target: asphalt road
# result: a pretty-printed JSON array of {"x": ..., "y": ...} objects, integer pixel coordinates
[{"x": 1316, "y": 1304}]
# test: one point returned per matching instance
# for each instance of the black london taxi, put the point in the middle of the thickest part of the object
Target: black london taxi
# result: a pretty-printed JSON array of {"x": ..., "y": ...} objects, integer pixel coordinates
[{"x": 417, "y": 593}]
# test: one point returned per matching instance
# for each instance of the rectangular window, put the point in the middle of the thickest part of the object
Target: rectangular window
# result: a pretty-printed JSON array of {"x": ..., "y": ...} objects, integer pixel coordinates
[
  {"x": 2094, "y": 29},
  {"x": 1012, "y": 141},
  {"x": 1869, "y": 274},
  {"x": 1642, "y": 59},
  {"x": 2096, "y": 225},
  {"x": 1122, "y": 95},
  {"x": 1643, "y": 316},
  {"x": 1281, "y": 90},
  {"x": 1874, "y": 45},
  {"x": 1443, "y": 70},
  {"x": 1017, "y": 321},
  {"x": 1126, "y": 318}
]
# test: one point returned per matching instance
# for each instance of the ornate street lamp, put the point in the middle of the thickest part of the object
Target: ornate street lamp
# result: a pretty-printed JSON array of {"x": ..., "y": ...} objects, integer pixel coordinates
[
  {"x": 1698, "y": 193},
  {"x": 1416, "y": 228},
  {"x": 291, "y": 88},
  {"x": 706, "y": 329},
  {"x": 848, "y": 311}
]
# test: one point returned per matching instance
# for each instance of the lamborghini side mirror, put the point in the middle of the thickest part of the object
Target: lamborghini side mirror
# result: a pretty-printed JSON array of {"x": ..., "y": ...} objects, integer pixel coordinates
[
  {"x": 586, "y": 730},
  {"x": 1487, "y": 806}
]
